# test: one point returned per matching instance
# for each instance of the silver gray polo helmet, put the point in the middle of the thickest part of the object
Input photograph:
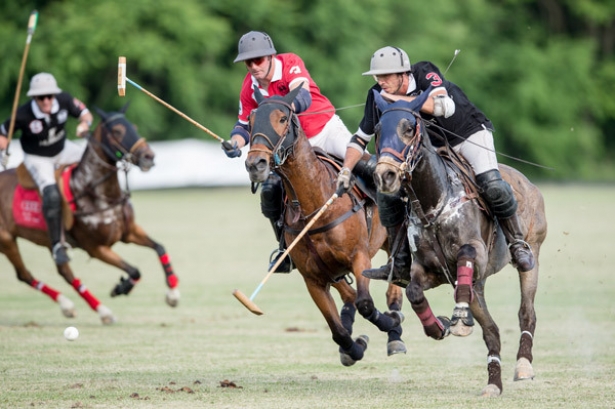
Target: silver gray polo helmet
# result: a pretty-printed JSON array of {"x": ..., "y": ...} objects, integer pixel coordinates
[
  {"x": 253, "y": 45},
  {"x": 389, "y": 60}
]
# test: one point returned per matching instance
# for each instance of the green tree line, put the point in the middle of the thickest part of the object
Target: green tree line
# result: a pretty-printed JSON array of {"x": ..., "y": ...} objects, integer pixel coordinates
[{"x": 542, "y": 70}]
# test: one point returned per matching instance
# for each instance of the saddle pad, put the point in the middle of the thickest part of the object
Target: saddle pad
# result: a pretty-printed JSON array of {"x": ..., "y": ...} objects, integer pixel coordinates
[{"x": 28, "y": 208}]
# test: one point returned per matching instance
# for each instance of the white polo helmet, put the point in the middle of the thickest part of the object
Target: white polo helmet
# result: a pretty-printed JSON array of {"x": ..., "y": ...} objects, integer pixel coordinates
[
  {"x": 43, "y": 84},
  {"x": 389, "y": 60},
  {"x": 253, "y": 45}
]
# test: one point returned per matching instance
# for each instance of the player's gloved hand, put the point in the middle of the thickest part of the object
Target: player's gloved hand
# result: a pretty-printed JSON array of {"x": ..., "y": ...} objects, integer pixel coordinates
[
  {"x": 343, "y": 180},
  {"x": 231, "y": 149},
  {"x": 82, "y": 129}
]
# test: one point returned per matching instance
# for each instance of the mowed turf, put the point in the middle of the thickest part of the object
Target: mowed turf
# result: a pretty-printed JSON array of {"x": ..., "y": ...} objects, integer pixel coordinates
[{"x": 210, "y": 352}]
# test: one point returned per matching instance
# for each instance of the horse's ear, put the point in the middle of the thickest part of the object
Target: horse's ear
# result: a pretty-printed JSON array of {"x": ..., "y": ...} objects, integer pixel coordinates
[
  {"x": 290, "y": 97},
  {"x": 257, "y": 94},
  {"x": 381, "y": 103},
  {"x": 125, "y": 107},
  {"x": 418, "y": 102},
  {"x": 100, "y": 112}
]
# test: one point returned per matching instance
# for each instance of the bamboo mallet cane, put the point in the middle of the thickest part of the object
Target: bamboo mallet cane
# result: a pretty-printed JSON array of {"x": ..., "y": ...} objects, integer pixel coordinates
[
  {"x": 249, "y": 302},
  {"x": 31, "y": 27},
  {"x": 122, "y": 79}
]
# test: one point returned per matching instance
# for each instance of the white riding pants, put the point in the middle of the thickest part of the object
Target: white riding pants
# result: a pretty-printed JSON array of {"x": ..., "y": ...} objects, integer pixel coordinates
[
  {"x": 333, "y": 138},
  {"x": 42, "y": 168},
  {"x": 479, "y": 151}
]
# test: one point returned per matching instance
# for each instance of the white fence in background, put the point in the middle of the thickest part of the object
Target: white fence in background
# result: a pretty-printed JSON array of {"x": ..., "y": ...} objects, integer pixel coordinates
[{"x": 184, "y": 163}]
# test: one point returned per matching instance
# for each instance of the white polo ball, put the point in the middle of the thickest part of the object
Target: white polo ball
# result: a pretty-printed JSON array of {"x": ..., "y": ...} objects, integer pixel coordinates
[{"x": 71, "y": 333}]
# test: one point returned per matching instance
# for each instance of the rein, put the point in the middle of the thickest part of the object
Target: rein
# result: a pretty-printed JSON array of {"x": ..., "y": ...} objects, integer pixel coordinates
[{"x": 124, "y": 159}]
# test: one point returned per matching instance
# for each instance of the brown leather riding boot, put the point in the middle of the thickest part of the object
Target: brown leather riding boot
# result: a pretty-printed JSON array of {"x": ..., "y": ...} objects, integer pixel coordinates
[
  {"x": 520, "y": 250},
  {"x": 397, "y": 270}
]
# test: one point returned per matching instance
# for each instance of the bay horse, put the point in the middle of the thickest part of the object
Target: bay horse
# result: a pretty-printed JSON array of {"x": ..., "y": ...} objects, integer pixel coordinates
[
  {"x": 97, "y": 213},
  {"x": 452, "y": 239},
  {"x": 340, "y": 241}
]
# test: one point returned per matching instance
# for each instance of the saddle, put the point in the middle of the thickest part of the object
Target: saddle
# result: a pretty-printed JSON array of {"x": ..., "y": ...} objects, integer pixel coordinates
[{"x": 62, "y": 177}]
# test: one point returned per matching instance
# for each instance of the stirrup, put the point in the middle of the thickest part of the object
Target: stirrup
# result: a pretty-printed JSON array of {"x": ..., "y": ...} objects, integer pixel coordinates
[
  {"x": 59, "y": 253},
  {"x": 285, "y": 266}
]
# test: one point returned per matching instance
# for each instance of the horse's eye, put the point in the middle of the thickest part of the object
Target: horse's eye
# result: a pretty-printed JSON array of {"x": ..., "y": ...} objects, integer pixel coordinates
[
  {"x": 378, "y": 128},
  {"x": 283, "y": 119}
]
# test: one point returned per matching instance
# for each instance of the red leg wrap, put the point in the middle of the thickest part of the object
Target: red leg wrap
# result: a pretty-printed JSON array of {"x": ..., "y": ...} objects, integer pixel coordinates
[
  {"x": 463, "y": 290},
  {"x": 45, "y": 289},
  {"x": 172, "y": 281},
  {"x": 85, "y": 294}
]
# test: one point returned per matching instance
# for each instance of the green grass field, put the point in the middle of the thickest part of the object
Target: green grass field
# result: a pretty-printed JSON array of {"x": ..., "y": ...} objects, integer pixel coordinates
[{"x": 210, "y": 352}]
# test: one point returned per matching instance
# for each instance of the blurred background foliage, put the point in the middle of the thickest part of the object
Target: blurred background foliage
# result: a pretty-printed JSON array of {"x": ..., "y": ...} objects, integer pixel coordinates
[{"x": 542, "y": 70}]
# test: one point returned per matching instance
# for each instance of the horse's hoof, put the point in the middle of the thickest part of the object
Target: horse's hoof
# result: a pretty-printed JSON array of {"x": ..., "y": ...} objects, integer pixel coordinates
[
  {"x": 346, "y": 360},
  {"x": 105, "y": 314},
  {"x": 396, "y": 347},
  {"x": 524, "y": 370},
  {"x": 462, "y": 322},
  {"x": 172, "y": 297},
  {"x": 460, "y": 330},
  {"x": 363, "y": 340},
  {"x": 123, "y": 288},
  {"x": 491, "y": 391},
  {"x": 67, "y": 306}
]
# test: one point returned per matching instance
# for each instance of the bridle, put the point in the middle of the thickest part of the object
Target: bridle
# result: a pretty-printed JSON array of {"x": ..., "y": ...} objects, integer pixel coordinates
[
  {"x": 277, "y": 151},
  {"x": 410, "y": 156}
]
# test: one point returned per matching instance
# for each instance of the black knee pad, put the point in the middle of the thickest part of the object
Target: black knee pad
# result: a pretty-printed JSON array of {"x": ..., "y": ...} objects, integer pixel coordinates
[
  {"x": 392, "y": 209},
  {"x": 498, "y": 193},
  {"x": 272, "y": 196},
  {"x": 52, "y": 201},
  {"x": 365, "y": 170}
]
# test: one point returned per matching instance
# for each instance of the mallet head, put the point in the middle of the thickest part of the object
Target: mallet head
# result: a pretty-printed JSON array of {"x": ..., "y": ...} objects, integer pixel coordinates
[{"x": 121, "y": 76}]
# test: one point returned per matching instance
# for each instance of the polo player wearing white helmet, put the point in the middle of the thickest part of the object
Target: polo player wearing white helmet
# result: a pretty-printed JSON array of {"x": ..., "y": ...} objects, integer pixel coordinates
[
  {"x": 278, "y": 74},
  {"x": 43, "y": 141},
  {"x": 464, "y": 127}
]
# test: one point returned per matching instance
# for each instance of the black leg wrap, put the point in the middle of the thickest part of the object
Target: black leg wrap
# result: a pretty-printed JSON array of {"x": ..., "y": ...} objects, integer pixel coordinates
[{"x": 347, "y": 316}]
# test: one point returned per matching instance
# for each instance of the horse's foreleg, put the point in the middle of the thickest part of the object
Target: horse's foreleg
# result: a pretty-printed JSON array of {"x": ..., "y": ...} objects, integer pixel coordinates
[
  {"x": 436, "y": 328},
  {"x": 137, "y": 235},
  {"x": 105, "y": 314},
  {"x": 395, "y": 345},
  {"x": 350, "y": 350},
  {"x": 527, "y": 321},
  {"x": 348, "y": 311},
  {"x": 491, "y": 336},
  {"x": 105, "y": 254},
  {"x": 462, "y": 321}
]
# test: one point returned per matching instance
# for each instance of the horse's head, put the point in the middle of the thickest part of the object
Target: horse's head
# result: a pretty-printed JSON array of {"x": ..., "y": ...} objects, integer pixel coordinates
[
  {"x": 399, "y": 141},
  {"x": 273, "y": 132},
  {"x": 119, "y": 140}
]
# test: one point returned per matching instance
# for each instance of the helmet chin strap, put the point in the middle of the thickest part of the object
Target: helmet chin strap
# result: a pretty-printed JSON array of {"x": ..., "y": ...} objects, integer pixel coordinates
[
  {"x": 270, "y": 66},
  {"x": 401, "y": 83}
]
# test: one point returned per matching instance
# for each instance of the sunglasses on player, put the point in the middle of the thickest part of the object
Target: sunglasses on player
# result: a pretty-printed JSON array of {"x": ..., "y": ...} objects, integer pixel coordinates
[
  {"x": 44, "y": 97},
  {"x": 255, "y": 61}
]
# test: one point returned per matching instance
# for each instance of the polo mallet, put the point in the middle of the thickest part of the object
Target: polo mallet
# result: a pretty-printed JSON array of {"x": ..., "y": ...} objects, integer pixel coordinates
[
  {"x": 249, "y": 302},
  {"x": 122, "y": 79},
  {"x": 31, "y": 27}
]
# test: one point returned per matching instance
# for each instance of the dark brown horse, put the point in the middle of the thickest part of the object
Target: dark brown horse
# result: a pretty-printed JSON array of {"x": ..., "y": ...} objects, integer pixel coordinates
[
  {"x": 340, "y": 242},
  {"x": 452, "y": 238},
  {"x": 102, "y": 214}
]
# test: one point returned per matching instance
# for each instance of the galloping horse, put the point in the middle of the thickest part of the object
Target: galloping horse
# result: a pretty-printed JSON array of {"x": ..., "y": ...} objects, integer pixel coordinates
[
  {"x": 340, "y": 241},
  {"x": 101, "y": 213},
  {"x": 451, "y": 236}
]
